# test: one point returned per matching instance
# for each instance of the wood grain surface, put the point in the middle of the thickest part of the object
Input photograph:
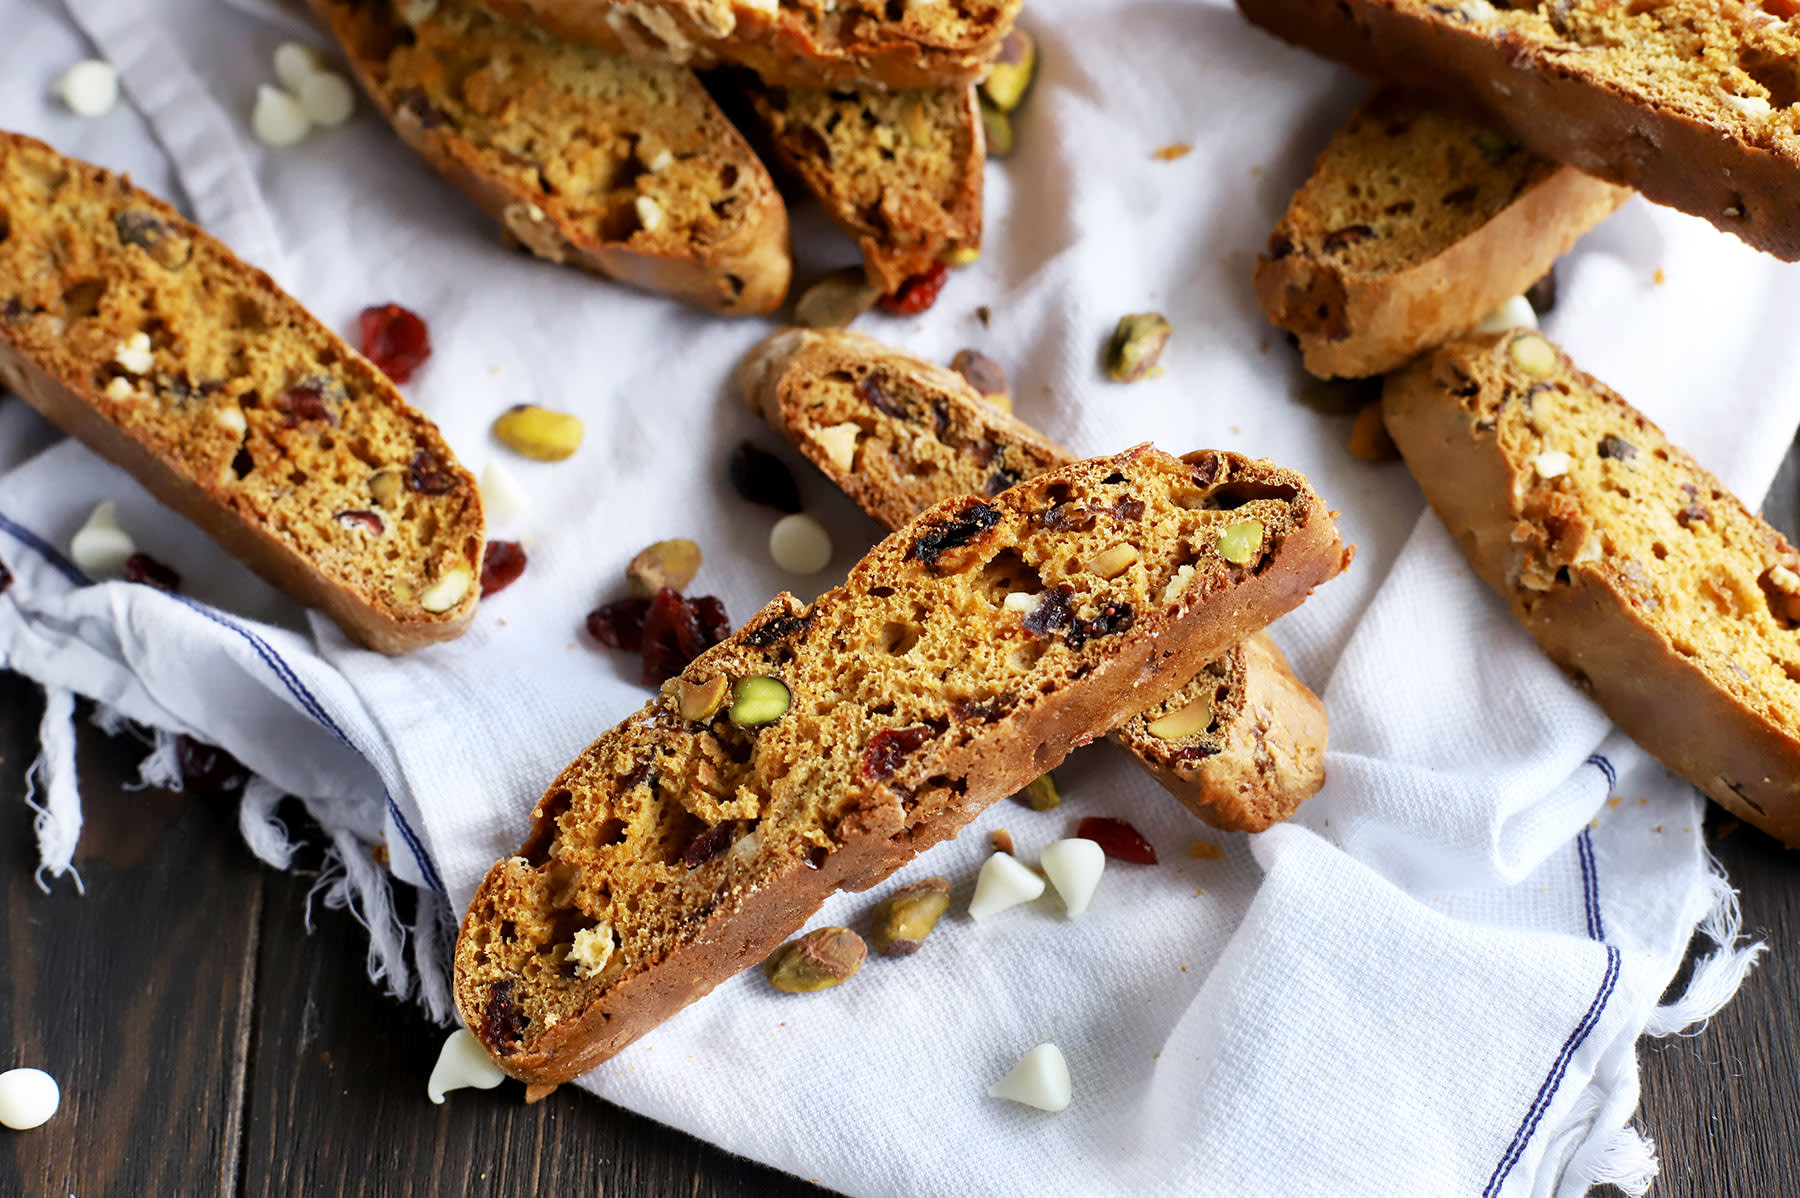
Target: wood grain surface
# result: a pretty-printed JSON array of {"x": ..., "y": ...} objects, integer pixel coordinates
[{"x": 207, "y": 1045}]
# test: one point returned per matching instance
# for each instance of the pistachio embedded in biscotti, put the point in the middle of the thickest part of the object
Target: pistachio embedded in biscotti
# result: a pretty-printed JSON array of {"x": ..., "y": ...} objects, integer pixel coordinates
[
  {"x": 697, "y": 701},
  {"x": 539, "y": 433},
  {"x": 1112, "y": 561},
  {"x": 1012, "y": 72},
  {"x": 819, "y": 960},
  {"x": 1190, "y": 720},
  {"x": 760, "y": 700},
  {"x": 448, "y": 590},
  {"x": 1241, "y": 541},
  {"x": 1137, "y": 345},
  {"x": 998, "y": 130},
  {"x": 904, "y": 918},
  {"x": 384, "y": 487},
  {"x": 963, "y": 255},
  {"x": 671, "y": 564},
  {"x": 166, "y": 244}
]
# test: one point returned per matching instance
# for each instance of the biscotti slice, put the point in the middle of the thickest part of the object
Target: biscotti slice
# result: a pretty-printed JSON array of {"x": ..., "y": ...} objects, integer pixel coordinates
[
  {"x": 1691, "y": 102},
  {"x": 1637, "y": 571},
  {"x": 900, "y": 172},
  {"x": 899, "y": 435},
  {"x": 822, "y": 747},
  {"x": 792, "y": 43},
  {"x": 134, "y": 331},
  {"x": 626, "y": 169},
  {"x": 1414, "y": 225}
]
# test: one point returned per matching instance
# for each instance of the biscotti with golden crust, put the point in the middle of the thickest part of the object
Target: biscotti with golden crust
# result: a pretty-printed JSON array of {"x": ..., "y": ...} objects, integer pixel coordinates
[
  {"x": 898, "y": 435},
  {"x": 900, "y": 172},
  {"x": 139, "y": 334},
  {"x": 820, "y": 747},
  {"x": 1639, "y": 574},
  {"x": 1691, "y": 102},
  {"x": 792, "y": 43},
  {"x": 1415, "y": 224},
  {"x": 625, "y": 169}
]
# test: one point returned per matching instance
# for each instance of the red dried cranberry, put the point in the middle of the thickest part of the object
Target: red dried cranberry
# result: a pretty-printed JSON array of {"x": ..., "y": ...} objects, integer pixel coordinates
[
  {"x": 918, "y": 293},
  {"x": 763, "y": 478},
  {"x": 620, "y": 624},
  {"x": 871, "y": 388},
  {"x": 141, "y": 567},
  {"x": 1112, "y": 617},
  {"x": 362, "y": 519},
  {"x": 888, "y": 748},
  {"x": 501, "y": 566},
  {"x": 1128, "y": 509},
  {"x": 709, "y": 611},
  {"x": 208, "y": 770},
  {"x": 1117, "y": 839},
  {"x": 709, "y": 844},
  {"x": 954, "y": 532},
  {"x": 676, "y": 632},
  {"x": 307, "y": 400},
  {"x": 394, "y": 339},
  {"x": 1053, "y": 613},
  {"x": 427, "y": 477},
  {"x": 502, "y": 1023}
]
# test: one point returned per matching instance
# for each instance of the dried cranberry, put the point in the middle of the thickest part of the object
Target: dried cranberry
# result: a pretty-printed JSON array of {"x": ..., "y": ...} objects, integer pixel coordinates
[
  {"x": 1347, "y": 236},
  {"x": 311, "y": 399},
  {"x": 1065, "y": 517},
  {"x": 1128, "y": 509},
  {"x": 362, "y": 519},
  {"x": 888, "y": 748},
  {"x": 5, "y": 577},
  {"x": 988, "y": 712},
  {"x": 502, "y": 1023},
  {"x": 1117, "y": 839},
  {"x": 620, "y": 624},
  {"x": 763, "y": 478},
  {"x": 141, "y": 567},
  {"x": 676, "y": 632},
  {"x": 1112, "y": 617},
  {"x": 208, "y": 770},
  {"x": 776, "y": 630},
  {"x": 501, "y": 566},
  {"x": 1617, "y": 448},
  {"x": 918, "y": 293},
  {"x": 871, "y": 388},
  {"x": 944, "y": 535},
  {"x": 709, "y": 844},
  {"x": 715, "y": 625},
  {"x": 394, "y": 339},
  {"x": 1053, "y": 613},
  {"x": 427, "y": 476},
  {"x": 1001, "y": 480}
]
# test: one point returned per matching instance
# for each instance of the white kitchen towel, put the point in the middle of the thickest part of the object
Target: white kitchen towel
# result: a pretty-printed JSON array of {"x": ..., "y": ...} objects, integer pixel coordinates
[{"x": 1432, "y": 983}]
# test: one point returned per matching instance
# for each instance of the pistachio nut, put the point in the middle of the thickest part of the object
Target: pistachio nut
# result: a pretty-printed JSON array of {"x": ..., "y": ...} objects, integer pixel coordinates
[
  {"x": 759, "y": 700},
  {"x": 698, "y": 701},
  {"x": 448, "y": 591},
  {"x": 1240, "y": 542},
  {"x": 1189, "y": 720},
  {"x": 996, "y": 126},
  {"x": 1041, "y": 793},
  {"x": 539, "y": 432},
  {"x": 904, "y": 918},
  {"x": 1013, "y": 71},
  {"x": 819, "y": 960},
  {"x": 1137, "y": 345},
  {"x": 836, "y": 300},
  {"x": 671, "y": 564}
]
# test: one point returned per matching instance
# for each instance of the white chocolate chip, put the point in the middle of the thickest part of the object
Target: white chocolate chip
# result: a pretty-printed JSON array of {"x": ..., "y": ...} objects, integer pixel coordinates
[
  {"x": 296, "y": 63},
  {"x": 1074, "y": 867},
  {"x": 134, "y": 354},
  {"x": 28, "y": 1097},
  {"x": 277, "y": 119},
  {"x": 591, "y": 949},
  {"x": 120, "y": 389},
  {"x": 1002, "y": 883},
  {"x": 799, "y": 544},
  {"x": 1021, "y": 602},
  {"x": 1534, "y": 355},
  {"x": 448, "y": 590},
  {"x": 1041, "y": 1080},
  {"x": 1178, "y": 584},
  {"x": 649, "y": 214},
  {"x": 101, "y": 547},
  {"x": 232, "y": 419},
  {"x": 89, "y": 88},
  {"x": 327, "y": 99},
  {"x": 461, "y": 1063},
  {"x": 1750, "y": 106},
  {"x": 839, "y": 443},
  {"x": 1515, "y": 313},
  {"x": 502, "y": 495},
  {"x": 1552, "y": 463}
]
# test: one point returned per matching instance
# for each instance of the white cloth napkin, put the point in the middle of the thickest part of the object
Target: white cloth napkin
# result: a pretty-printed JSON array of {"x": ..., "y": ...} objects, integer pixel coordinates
[{"x": 1431, "y": 983}]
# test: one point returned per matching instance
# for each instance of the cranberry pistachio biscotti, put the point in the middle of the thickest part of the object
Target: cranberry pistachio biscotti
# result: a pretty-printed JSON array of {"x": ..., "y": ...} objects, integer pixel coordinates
[
  {"x": 820, "y": 747},
  {"x": 625, "y": 169},
  {"x": 1414, "y": 225},
  {"x": 136, "y": 332},
  {"x": 1242, "y": 745},
  {"x": 1636, "y": 571}
]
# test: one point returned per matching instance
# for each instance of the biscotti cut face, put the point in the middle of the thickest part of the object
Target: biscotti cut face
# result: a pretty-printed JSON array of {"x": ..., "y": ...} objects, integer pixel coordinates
[
  {"x": 900, "y": 172},
  {"x": 625, "y": 169},
  {"x": 1636, "y": 570},
  {"x": 792, "y": 43},
  {"x": 139, "y": 334},
  {"x": 899, "y": 435},
  {"x": 1691, "y": 102},
  {"x": 1414, "y": 225},
  {"x": 822, "y": 747}
]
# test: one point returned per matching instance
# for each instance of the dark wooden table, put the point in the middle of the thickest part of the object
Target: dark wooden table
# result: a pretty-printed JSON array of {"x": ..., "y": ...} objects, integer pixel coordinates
[{"x": 207, "y": 1045}]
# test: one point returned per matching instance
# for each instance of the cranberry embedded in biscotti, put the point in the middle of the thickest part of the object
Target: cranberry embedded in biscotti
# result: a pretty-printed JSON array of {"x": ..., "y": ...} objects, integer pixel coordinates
[{"x": 918, "y": 293}]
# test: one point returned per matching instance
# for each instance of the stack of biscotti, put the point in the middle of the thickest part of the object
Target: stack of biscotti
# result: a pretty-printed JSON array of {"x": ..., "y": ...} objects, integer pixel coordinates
[
  {"x": 1691, "y": 102},
  {"x": 1242, "y": 744},
  {"x": 821, "y": 747},
  {"x": 139, "y": 334},
  {"x": 624, "y": 168},
  {"x": 1414, "y": 225},
  {"x": 1638, "y": 572}
]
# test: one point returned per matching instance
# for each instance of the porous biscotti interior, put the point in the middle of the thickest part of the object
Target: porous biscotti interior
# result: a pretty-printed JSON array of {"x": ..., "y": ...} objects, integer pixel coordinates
[
  {"x": 1736, "y": 66},
  {"x": 895, "y": 169},
  {"x": 615, "y": 150},
  {"x": 1696, "y": 565},
  {"x": 968, "y": 614},
  {"x": 243, "y": 391},
  {"x": 1217, "y": 691},
  {"x": 851, "y": 22},
  {"x": 1399, "y": 184}
]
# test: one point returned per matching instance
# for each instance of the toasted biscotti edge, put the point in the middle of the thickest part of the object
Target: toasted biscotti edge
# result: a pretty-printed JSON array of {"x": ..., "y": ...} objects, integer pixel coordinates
[
  {"x": 1159, "y": 651},
  {"x": 1390, "y": 318},
  {"x": 1273, "y": 757},
  {"x": 1660, "y": 698},
  {"x": 747, "y": 273},
  {"x": 1539, "y": 96},
  {"x": 68, "y": 403}
]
